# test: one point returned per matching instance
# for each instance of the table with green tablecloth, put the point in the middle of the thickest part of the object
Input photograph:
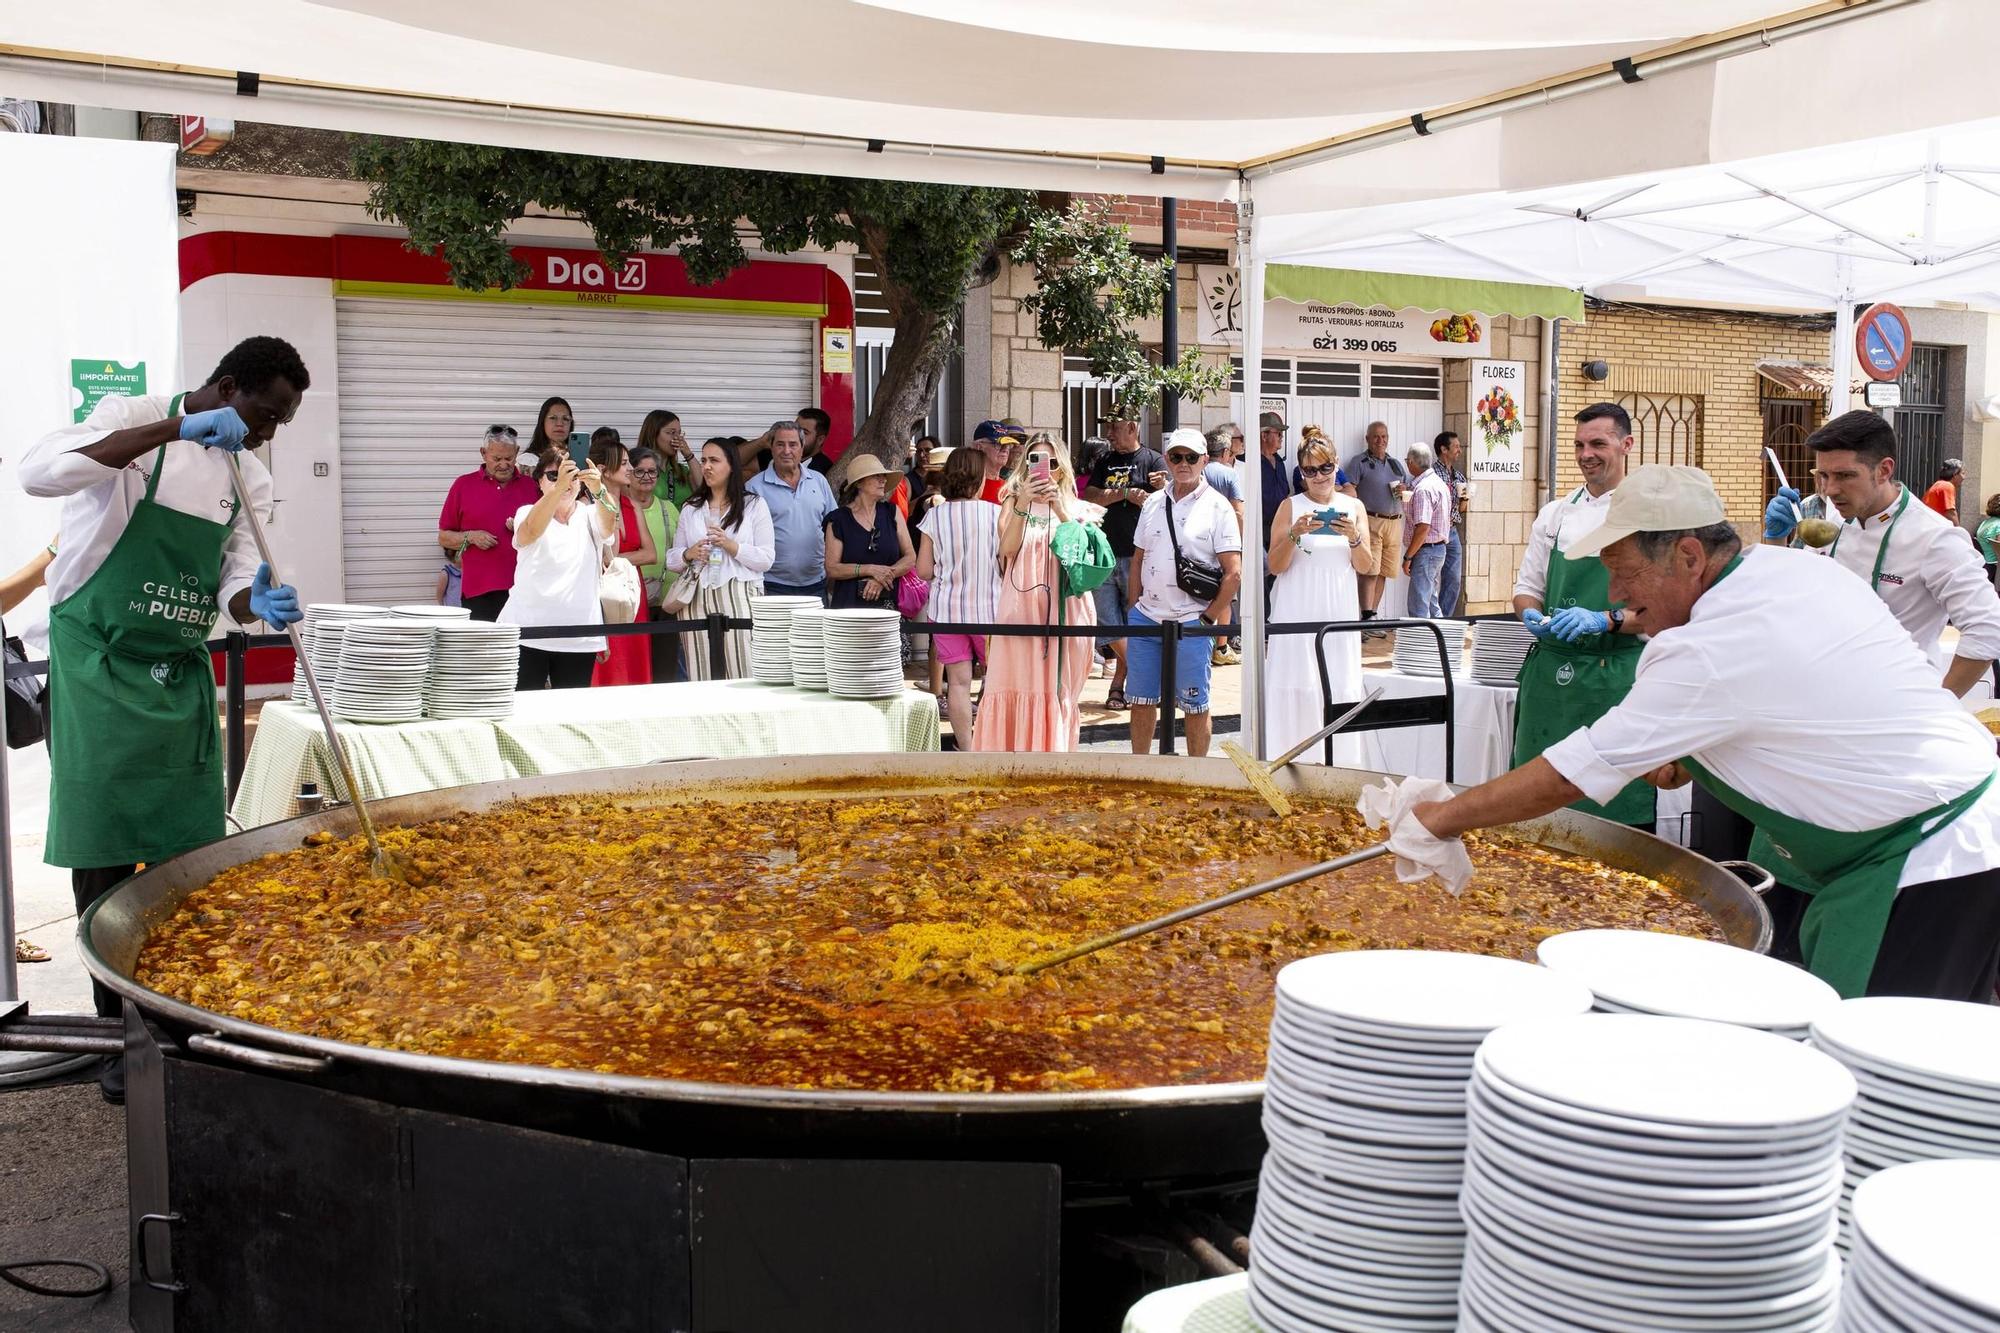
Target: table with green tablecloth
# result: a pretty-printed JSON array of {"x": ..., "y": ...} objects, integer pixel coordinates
[{"x": 565, "y": 731}]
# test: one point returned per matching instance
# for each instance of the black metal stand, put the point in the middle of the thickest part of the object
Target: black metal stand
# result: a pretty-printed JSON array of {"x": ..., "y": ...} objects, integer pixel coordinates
[{"x": 1389, "y": 714}]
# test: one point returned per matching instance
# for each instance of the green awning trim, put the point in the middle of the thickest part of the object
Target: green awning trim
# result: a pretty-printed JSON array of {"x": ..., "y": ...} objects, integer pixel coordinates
[{"x": 1300, "y": 283}]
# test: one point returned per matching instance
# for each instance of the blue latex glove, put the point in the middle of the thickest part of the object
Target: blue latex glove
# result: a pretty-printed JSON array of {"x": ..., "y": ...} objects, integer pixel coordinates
[
  {"x": 1537, "y": 623},
  {"x": 220, "y": 429},
  {"x": 1778, "y": 515},
  {"x": 1573, "y": 622},
  {"x": 276, "y": 607}
]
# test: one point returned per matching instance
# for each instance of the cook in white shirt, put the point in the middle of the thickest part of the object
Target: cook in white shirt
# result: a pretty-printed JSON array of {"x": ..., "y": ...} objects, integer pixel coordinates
[
  {"x": 1922, "y": 565},
  {"x": 152, "y": 548},
  {"x": 1871, "y": 788}
]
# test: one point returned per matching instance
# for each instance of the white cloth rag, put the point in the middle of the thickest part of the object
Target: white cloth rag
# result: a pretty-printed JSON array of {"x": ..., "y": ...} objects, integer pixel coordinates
[{"x": 1419, "y": 853}]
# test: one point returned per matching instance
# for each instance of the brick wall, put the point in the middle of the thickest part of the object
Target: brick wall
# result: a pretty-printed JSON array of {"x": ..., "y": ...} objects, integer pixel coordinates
[{"x": 1709, "y": 355}]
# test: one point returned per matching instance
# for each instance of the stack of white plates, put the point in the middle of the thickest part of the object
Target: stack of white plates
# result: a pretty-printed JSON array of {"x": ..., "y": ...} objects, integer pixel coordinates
[
  {"x": 771, "y": 637},
  {"x": 1929, "y": 1072},
  {"x": 383, "y": 664},
  {"x": 474, "y": 666},
  {"x": 809, "y": 648},
  {"x": 1364, "y": 1107},
  {"x": 433, "y": 613},
  {"x": 1498, "y": 649},
  {"x": 864, "y": 653},
  {"x": 1925, "y": 1239},
  {"x": 325, "y": 659},
  {"x": 1646, "y": 972},
  {"x": 1625, "y": 1171},
  {"x": 1416, "y": 651}
]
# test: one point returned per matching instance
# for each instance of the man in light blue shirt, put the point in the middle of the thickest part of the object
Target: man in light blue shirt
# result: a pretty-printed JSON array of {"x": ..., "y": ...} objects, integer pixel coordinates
[{"x": 799, "y": 500}]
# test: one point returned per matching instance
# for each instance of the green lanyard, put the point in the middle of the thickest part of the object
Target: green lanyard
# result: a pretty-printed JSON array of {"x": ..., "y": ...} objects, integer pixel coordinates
[{"x": 1875, "y": 575}]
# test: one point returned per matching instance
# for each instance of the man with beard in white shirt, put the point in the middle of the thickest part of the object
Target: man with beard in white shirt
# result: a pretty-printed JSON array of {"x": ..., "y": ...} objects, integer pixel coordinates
[{"x": 1923, "y": 566}]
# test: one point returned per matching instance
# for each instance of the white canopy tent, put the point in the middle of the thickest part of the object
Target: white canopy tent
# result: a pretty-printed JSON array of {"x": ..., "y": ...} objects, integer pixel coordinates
[{"x": 1309, "y": 106}]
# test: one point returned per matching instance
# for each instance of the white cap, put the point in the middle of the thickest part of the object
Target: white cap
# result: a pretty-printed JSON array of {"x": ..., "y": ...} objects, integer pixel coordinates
[
  {"x": 1186, "y": 437},
  {"x": 1654, "y": 498}
]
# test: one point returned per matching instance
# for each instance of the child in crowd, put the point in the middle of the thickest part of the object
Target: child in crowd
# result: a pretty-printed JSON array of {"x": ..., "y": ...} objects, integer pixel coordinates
[{"x": 448, "y": 581}]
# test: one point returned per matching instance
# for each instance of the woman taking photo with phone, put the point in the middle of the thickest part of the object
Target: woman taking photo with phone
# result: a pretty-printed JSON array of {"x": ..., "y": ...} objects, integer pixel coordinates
[
  {"x": 725, "y": 538},
  {"x": 560, "y": 539},
  {"x": 1033, "y": 684},
  {"x": 867, "y": 543},
  {"x": 1318, "y": 540}
]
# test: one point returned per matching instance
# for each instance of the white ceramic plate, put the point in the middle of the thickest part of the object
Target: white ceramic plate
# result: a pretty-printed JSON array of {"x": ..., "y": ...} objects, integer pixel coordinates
[
  {"x": 1457, "y": 995},
  {"x": 1675, "y": 974}
]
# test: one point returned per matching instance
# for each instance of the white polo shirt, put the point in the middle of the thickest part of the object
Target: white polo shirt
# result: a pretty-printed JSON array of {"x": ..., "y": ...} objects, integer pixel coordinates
[
  {"x": 1206, "y": 527},
  {"x": 1831, "y": 717},
  {"x": 1570, "y": 518},
  {"x": 1932, "y": 573}
]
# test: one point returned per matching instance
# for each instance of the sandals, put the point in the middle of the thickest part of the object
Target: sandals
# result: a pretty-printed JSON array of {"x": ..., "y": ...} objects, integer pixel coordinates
[
  {"x": 26, "y": 951},
  {"x": 1115, "y": 701}
]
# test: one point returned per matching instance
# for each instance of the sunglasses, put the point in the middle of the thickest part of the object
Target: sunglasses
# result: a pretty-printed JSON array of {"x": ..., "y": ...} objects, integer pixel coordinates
[
  {"x": 1183, "y": 458},
  {"x": 1320, "y": 470},
  {"x": 548, "y": 476},
  {"x": 508, "y": 431}
]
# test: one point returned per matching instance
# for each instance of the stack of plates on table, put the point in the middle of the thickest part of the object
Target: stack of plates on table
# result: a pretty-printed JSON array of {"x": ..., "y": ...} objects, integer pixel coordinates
[
  {"x": 1498, "y": 649},
  {"x": 1925, "y": 1239},
  {"x": 864, "y": 653},
  {"x": 1646, "y": 972},
  {"x": 1929, "y": 1072},
  {"x": 1364, "y": 1107},
  {"x": 383, "y": 664},
  {"x": 473, "y": 669},
  {"x": 1626, "y": 1171},
  {"x": 809, "y": 648},
  {"x": 1416, "y": 652},
  {"x": 325, "y": 659},
  {"x": 771, "y": 637},
  {"x": 433, "y": 613}
]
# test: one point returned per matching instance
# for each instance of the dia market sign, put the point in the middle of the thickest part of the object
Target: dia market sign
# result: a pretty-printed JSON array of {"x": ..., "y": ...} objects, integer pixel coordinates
[{"x": 1345, "y": 329}]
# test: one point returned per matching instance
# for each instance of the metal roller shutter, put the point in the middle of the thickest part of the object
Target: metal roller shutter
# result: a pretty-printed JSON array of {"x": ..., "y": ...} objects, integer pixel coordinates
[{"x": 420, "y": 381}]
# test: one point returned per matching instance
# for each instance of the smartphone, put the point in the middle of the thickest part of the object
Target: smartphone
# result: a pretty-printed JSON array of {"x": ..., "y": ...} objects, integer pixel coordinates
[
  {"x": 1329, "y": 519},
  {"x": 1038, "y": 466},
  {"x": 579, "y": 448}
]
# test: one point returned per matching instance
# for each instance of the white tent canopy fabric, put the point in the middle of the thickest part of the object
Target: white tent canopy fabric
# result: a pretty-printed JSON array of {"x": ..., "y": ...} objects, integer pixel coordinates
[{"x": 1034, "y": 93}]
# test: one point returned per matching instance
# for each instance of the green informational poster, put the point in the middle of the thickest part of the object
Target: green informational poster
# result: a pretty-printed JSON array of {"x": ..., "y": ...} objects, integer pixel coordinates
[{"x": 101, "y": 379}]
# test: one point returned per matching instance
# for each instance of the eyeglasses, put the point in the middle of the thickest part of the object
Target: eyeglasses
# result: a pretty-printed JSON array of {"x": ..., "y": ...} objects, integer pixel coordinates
[
  {"x": 1236, "y": 439},
  {"x": 1319, "y": 470},
  {"x": 1184, "y": 458},
  {"x": 646, "y": 472}
]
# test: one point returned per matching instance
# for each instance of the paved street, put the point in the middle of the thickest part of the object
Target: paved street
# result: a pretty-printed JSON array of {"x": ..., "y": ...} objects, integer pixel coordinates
[{"x": 62, "y": 1174}]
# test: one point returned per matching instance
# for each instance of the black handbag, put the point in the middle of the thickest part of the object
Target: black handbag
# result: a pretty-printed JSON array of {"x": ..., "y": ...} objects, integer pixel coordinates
[
  {"x": 24, "y": 700},
  {"x": 1196, "y": 578}
]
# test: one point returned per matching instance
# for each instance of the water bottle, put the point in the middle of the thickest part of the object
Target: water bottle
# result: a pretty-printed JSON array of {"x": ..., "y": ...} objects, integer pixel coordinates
[{"x": 715, "y": 555}]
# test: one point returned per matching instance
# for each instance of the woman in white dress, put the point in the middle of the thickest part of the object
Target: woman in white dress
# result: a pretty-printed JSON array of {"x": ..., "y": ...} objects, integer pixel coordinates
[
  {"x": 1316, "y": 540},
  {"x": 725, "y": 533}
]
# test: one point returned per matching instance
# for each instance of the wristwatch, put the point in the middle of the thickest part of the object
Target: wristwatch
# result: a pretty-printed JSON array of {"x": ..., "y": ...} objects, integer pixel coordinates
[
  {"x": 1208, "y": 619},
  {"x": 1617, "y": 619}
]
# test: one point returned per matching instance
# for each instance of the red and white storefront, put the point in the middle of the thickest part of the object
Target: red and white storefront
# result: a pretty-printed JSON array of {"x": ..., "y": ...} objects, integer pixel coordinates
[{"x": 408, "y": 372}]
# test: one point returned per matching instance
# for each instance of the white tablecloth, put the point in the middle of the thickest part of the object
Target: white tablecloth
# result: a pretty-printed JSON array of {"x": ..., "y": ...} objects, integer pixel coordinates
[{"x": 1484, "y": 717}]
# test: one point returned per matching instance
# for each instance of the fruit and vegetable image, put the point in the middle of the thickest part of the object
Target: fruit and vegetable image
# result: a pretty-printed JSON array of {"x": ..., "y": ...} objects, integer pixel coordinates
[
  {"x": 1457, "y": 329},
  {"x": 1499, "y": 417}
]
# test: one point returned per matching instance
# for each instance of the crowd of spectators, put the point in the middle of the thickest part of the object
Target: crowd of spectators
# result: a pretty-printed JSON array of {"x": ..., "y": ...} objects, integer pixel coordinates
[{"x": 963, "y": 536}]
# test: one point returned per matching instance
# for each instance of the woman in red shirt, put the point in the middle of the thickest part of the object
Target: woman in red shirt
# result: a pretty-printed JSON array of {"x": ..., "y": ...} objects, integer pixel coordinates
[{"x": 629, "y": 657}]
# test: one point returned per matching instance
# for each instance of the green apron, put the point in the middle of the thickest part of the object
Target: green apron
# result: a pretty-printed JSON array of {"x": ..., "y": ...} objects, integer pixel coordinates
[
  {"x": 1565, "y": 686},
  {"x": 135, "y": 760}
]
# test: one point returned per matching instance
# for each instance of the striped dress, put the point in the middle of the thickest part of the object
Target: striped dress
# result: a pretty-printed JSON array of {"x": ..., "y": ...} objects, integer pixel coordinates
[{"x": 965, "y": 545}]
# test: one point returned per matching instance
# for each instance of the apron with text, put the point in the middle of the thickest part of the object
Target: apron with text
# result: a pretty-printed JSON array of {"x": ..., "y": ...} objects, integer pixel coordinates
[
  {"x": 1565, "y": 686},
  {"x": 135, "y": 759}
]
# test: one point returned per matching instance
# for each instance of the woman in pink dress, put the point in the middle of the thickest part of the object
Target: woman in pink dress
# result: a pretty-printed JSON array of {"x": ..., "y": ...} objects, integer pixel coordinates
[
  {"x": 1033, "y": 684},
  {"x": 629, "y": 657}
]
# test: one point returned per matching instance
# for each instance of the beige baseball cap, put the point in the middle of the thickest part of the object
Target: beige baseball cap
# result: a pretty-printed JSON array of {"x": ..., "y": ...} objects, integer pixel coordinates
[{"x": 1654, "y": 498}]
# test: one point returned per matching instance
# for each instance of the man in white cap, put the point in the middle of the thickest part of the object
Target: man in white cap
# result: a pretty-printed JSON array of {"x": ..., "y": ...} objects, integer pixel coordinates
[{"x": 1872, "y": 791}]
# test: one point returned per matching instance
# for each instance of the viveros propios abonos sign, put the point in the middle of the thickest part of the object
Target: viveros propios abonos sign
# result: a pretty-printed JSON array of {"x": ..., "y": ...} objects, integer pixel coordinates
[{"x": 1882, "y": 341}]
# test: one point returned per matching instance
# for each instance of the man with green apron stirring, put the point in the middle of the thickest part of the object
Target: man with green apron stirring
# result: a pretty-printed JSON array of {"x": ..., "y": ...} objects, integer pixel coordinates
[
  {"x": 1871, "y": 789},
  {"x": 1585, "y": 647},
  {"x": 152, "y": 547}
]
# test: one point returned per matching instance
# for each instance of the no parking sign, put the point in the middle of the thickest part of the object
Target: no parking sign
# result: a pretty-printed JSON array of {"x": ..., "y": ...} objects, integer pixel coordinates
[{"x": 1882, "y": 341}]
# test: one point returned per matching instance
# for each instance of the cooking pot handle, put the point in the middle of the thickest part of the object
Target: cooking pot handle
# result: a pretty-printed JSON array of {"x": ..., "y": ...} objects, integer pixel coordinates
[
  {"x": 1759, "y": 879},
  {"x": 169, "y": 1221},
  {"x": 210, "y": 1043}
]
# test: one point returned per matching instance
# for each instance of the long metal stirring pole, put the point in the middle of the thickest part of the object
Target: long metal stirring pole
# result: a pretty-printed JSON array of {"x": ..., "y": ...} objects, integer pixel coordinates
[{"x": 375, "y": 851}]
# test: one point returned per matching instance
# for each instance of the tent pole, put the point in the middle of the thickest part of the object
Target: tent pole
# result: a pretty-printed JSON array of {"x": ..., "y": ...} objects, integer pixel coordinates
[
  {"x": 1170, "y": 317},
  {"x": 1250, "y": 268},
  {"x": 1552, "y": 403},
  {"x": 1840, "y": 356}
]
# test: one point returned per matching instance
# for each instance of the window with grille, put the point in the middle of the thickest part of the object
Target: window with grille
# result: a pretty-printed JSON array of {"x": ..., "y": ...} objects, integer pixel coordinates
[
  {"x": 871, "y": 308},
  {"x": 1329, "y": 379},
  {"x": 1411, "y": 383},
  {"x": 1277, "y": 376},
  {"x": 1919, "y": 422},
  {"x": 1666, "y": 427},
  {"x": 1787, "y": 423}
]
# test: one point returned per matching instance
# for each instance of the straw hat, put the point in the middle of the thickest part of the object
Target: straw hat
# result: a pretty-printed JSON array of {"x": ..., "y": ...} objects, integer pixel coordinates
[
  {"x": 856, "y": 469},
  {"x": 935, "y": 460}
]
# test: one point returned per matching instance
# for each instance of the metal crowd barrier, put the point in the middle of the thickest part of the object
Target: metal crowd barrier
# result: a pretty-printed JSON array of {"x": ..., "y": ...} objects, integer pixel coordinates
[{"x": 235, "y": 648}]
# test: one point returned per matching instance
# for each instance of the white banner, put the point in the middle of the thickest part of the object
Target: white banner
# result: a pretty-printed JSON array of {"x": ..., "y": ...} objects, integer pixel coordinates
[
  {"x": 1498, "y": 394},
  {"x": 1345, "y": 329}
]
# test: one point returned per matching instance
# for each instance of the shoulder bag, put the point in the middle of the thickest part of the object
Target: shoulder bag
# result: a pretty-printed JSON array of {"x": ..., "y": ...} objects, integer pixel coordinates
[
  {"x": 1197, "y": 578},
  {"x": 619, "y": 588},
  {"x": 26, "y": 701}
]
